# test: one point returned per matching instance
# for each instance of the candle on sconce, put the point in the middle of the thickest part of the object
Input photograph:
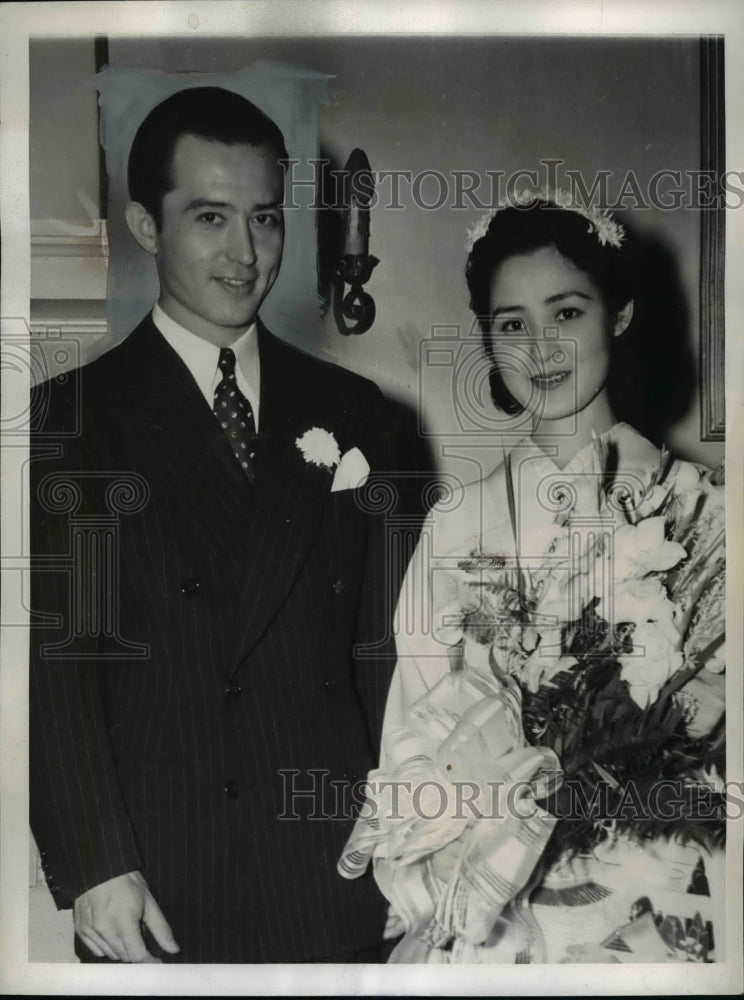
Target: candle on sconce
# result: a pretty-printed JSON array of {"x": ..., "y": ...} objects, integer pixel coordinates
[
  {"x": 361, "y": 187},
  {"x": 356, "y": 263},
  {"x": 356, "y": 233}
]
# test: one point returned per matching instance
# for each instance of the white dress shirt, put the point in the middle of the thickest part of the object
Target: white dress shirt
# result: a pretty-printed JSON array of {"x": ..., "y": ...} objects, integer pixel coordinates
[{"x": 201, "y": 358}]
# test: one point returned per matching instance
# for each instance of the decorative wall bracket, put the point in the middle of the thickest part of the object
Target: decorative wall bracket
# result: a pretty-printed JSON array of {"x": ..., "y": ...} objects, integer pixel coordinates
[{"x": 356, "y": 264}]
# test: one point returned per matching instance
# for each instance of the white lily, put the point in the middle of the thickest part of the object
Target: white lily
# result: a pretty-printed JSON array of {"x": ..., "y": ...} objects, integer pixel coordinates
[
  {"x": 655, "y": 658},
  {"x": 641, "y": 548},
  {"x": 637, "y": 601}
]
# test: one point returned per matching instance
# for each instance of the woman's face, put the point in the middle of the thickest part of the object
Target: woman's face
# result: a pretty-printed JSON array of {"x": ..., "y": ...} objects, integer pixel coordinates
[{"x": 550, "y": 332}]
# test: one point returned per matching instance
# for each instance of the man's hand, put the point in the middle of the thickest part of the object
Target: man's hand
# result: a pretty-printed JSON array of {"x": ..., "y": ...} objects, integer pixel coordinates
[{"x": 108, "y": 918}]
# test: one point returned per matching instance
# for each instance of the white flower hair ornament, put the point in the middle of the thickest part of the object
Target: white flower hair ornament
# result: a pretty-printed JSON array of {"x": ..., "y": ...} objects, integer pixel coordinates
[
  {"x": 601, "y": 223},
  {"x": 319, "y": 447}
]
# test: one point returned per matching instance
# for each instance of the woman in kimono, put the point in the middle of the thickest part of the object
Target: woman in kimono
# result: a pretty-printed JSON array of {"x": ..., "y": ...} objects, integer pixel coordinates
[{"x": 472, "y": 875}]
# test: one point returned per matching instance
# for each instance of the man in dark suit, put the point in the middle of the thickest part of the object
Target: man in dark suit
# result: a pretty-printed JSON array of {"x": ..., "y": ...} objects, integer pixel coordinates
[{"x": 204, "y": 569}]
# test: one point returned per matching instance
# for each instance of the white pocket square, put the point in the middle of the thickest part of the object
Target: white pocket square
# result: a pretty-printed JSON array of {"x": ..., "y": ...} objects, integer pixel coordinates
[{"x": 352, "y": 471}]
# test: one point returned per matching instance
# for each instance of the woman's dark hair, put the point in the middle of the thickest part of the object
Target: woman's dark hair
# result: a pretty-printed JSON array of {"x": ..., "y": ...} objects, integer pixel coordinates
[
  {"x": 522, "y": 230},
  {"x": 210, "y": 113}
]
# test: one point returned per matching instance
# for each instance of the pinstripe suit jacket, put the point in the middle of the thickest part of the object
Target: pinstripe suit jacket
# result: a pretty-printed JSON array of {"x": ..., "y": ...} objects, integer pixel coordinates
[{"x": 169, "y": 719}]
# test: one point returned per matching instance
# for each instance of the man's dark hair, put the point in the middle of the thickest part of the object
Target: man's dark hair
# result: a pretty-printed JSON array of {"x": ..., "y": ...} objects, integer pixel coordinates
[
  {"x": 521, "y": 230},
  {"x": 210, "y": 113}
]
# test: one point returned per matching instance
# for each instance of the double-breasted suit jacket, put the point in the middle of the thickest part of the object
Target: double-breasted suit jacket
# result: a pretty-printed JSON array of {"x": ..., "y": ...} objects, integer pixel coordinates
[{"x": 205, "y": 671}]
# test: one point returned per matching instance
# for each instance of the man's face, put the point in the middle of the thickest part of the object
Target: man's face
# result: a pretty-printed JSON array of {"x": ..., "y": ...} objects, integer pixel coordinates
[{"x": 220, "y": 245}]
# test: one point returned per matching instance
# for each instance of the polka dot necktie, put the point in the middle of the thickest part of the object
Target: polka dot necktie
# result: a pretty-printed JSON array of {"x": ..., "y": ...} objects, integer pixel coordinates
[{"x": 235, "y": 415}]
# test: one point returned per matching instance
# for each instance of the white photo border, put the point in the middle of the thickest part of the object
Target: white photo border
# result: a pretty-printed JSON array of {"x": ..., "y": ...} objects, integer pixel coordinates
[{"x": 337, "y": 17}]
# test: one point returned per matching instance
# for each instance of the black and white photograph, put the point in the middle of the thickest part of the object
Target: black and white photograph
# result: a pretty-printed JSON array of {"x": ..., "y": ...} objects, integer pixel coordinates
[{"x": 372, "y": 578}]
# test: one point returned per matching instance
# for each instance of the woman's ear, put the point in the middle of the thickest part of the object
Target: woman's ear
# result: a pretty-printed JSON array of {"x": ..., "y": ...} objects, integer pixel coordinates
[
  {"x": 622, "y": 319},
  {"x": 142, "y": 226}
]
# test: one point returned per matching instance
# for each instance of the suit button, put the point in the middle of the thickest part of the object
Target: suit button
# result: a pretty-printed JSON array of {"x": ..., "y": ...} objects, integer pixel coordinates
[
  {"x": 338, "y": 586},
  {"x": 233, "y": 688},
  {"x": 231, "y": 789},
  {"x": 190, "y": 587},
  {"x": 328, "y": 683}
]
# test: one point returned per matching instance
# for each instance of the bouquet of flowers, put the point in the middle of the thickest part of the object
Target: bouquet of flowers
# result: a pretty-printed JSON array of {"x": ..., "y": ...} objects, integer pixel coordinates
[
  {"x": 589, "y": 679},
  {"x": 616, "y": 640}
]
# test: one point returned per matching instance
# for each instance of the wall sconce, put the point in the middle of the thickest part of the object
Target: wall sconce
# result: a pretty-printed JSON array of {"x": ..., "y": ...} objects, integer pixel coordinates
[{"x": 356, "y": 265}]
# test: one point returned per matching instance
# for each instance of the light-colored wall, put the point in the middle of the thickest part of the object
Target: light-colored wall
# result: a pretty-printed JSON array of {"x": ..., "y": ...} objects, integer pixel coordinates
[{"x": 64, "y": 151}]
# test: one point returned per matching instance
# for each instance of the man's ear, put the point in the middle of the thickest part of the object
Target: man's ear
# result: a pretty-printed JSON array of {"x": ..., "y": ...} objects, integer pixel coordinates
[
  {"x": 142, "y": 226},
  {"x": 623, "y": 318}
]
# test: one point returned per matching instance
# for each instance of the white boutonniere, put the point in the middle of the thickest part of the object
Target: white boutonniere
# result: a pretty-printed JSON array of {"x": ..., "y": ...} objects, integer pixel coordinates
[{"x": 319, "y": 447}]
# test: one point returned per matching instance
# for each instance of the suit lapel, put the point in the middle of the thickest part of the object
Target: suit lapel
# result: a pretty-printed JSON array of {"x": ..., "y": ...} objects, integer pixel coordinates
[
  {"x": 263, "y": 531},
  {"x": 290, "y": 492},
  {"x": 174, "y": 435}
]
